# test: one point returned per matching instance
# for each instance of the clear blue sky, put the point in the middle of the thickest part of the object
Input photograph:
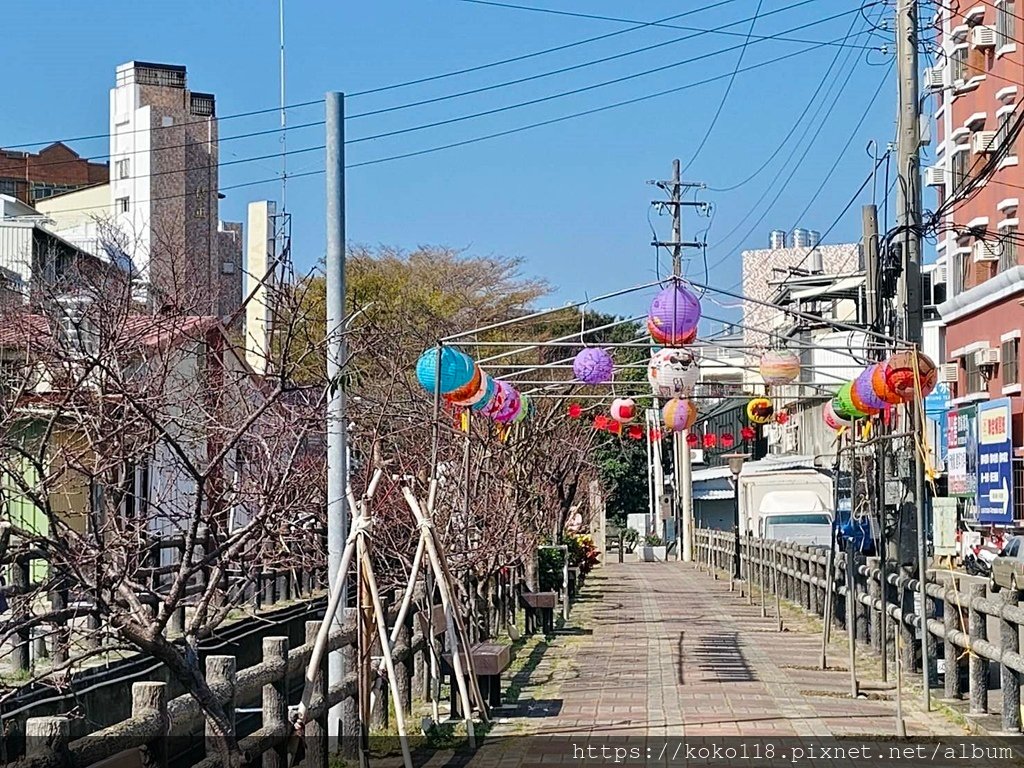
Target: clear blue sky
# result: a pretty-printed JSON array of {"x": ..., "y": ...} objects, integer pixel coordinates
[{"x": 570, "y": 198}]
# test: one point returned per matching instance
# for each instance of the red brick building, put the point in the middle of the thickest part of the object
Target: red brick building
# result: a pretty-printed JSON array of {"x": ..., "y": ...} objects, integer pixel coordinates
[
  {"x": 54, "y": 170},
  {"x": 978, "y": 83}
]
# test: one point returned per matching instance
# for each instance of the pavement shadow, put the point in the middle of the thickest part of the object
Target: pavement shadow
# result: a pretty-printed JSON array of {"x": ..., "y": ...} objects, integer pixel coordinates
[{"x": 720, "y": 657}]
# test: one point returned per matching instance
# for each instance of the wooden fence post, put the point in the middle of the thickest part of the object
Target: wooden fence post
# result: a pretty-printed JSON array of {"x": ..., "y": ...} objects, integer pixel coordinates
[
  {"x": 275, "y": 700},
  {"x": 48, "y": 737},
  {"x": 952, "y": 616},
  {"x": 403, "y": 669},
  {"x": 316, "y": 729},
  {"x": 978, "y": 664},
  {"x": 151, "y": 699},
  {"x": 1009, "y": 640},
  {"x": 220, "y": 672}
]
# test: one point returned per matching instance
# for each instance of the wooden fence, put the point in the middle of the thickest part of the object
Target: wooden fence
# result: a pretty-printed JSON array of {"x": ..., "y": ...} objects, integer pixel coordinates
[
  {"x": 159, "y": 727},
  {"x": 886, "y": 615}
]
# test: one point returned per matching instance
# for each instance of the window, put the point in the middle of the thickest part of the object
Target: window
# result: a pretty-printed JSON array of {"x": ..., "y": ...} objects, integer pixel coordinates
[
  {"x": 958, "y": 64},
  {"x": 123, "y": 169},
  {"x": 1008, "y": 252},
  {"x": 1003, "y": 138},
  {"x": 1005, "y": 13},
  {"x": 1009, "y": 365},
  {"x": 959, "y": 165},
  {"x": 122, "y": 205},
  {"x": 974, "y": 380},
  {"x": 9, "y": 187},
  {"x": 41, "y": 190},
  {"x": 1011, "y": 548}
]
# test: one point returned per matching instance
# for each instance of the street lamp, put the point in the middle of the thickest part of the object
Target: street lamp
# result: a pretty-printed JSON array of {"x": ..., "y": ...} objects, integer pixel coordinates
[{"x": 736, "y": 466}]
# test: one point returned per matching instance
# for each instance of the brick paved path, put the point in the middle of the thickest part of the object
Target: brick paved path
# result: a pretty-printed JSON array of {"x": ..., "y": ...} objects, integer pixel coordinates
[{"x": 662, "y": 649}]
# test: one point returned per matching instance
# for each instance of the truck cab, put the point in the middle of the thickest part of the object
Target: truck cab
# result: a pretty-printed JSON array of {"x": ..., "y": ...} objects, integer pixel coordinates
[{"x": 795, "y": 516}]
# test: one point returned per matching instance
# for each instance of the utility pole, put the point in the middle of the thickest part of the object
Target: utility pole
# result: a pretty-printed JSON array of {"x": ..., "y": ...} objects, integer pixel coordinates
[
  {"x": 337, "y": 469},
  {"x": 908, "y": 211},
  {"x": 681, "y": 457}
]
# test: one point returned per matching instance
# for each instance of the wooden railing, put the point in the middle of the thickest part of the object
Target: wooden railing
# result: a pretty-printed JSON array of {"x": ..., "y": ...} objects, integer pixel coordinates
[{"x": 884, "y": 614}]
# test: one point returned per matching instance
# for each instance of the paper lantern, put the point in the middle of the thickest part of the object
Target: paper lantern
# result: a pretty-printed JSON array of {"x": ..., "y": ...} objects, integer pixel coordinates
[
  {"x": 511, "y": 408},
  {"x": 748, "y": 433},
  {"x": 600, "y": 421},
  {"x": 692, "y": 440},
  {"x": 864, "y": 390},
  {"x": 593, "y": 366},
  {"x": 673, "y": 315},
  {"x": 844, "y": 405},
  {"x": 781, "y": 417},
  {"x": 728, "y": 440},
  {"x": 672, "y": 373},
  {"x": 623, "y": 410},
  {"x": 468, "y": 389},
  {"x": 498, "y": 402},
  {"x": 475, "y": 396},
  {"x": 663, "y": 338},
  {"x": 526, "y": 408},
  {"x": 710, "y": 440},
  {"x": 760, "y": 410},
  {"x": 489, "y": 393},
  {"x": 457, "y": 370},
  {"x": 899, "y": 375},
  {"x": 615, "y": 427},
  {"x": 575, "y": 410},
  {"x": 880, "y": 387},
  {"x": 678, "y": 414},
  {"x": 636, "y": 432},
  {"x": 833, "y": 419},
  {"x": 779, "y": 367}
]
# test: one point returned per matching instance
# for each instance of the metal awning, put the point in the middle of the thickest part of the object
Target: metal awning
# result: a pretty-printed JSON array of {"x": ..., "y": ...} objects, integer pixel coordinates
[
  {"x": 712, "y": 495},
  {"x": 840, "y": 287}
]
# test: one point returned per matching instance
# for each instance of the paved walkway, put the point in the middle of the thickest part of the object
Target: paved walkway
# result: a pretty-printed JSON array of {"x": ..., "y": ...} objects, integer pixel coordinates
[{"x": 662, "y": 649}]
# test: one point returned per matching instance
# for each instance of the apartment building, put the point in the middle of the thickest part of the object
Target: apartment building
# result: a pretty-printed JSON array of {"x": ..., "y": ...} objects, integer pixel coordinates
[{"x": 34, "y": 176}]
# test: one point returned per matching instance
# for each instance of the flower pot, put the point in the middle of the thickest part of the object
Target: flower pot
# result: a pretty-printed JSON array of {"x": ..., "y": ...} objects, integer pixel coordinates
[{"x": 652, "y": 554}]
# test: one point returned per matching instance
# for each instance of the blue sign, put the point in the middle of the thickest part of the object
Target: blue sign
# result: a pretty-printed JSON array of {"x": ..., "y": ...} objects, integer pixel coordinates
[
  {"x": 995, "y": 462},
  {"x": 936, "y": 406}
]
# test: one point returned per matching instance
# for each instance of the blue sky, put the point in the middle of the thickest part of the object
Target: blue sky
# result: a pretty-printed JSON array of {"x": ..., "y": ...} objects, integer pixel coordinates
[{"x": 570, "y": 198}]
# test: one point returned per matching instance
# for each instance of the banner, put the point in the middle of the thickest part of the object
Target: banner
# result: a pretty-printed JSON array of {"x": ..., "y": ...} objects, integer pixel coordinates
[
  {"x": 944, "y": 526},
  {"x": 995, "y": 462},
  {"x": 962, "y": 452}
]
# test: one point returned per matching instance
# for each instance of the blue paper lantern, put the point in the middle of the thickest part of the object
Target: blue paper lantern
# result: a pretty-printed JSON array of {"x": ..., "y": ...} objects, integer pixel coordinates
[{"x": 456, "y": 370}]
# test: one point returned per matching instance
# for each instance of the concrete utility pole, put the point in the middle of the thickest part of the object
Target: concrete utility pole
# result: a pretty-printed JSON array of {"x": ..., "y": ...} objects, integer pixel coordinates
[
  {"x": 337, "y": 469},
  {"x": 680, "y": 448},
  {"x": 908, "y": 205}
]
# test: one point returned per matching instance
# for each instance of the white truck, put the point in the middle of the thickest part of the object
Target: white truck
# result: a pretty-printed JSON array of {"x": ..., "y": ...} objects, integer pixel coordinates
[{"x": 787, "y": 501}]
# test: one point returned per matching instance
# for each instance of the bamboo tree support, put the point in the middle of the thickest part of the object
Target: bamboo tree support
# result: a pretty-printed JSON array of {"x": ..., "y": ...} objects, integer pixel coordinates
[{"x": 456, "y": 643}]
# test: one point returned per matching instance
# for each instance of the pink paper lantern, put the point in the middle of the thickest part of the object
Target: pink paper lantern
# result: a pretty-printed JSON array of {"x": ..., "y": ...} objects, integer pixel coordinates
[{"x": 623, "y": 410}]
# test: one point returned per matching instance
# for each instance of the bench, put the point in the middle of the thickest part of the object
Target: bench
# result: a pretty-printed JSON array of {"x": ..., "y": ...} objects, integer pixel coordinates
[
  {"x": 542, "y": 602},
  {"x": 489, "y": 661}
]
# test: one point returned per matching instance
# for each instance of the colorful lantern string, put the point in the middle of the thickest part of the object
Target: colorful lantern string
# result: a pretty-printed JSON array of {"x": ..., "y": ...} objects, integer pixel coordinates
[
  {"x": 880, "y": 387},
  {"x": 457, "y": 370},
  {"x": 844, "y": 405},
  {"x": 833, "y": 419},
  {"x": 593, "y": 366},
  {"x": 728, "y": 440},
  {"x": 748, "y": 433},
  {"x": 636, "y": 432},
  {"x": 899, "y": 375},
  {"x": 489, "y": 395},
  {"x": 692, "y": 440},
  {"x": 864, "y": 389}
]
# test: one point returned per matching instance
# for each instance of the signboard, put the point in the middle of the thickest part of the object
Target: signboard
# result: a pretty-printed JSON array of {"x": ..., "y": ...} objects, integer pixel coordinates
[
  {"x": 944, "y": 526},
  {"x": 936, "y": 408},
  {"x": 995, "y": 462},
  {"x": 962, "y": 452}
]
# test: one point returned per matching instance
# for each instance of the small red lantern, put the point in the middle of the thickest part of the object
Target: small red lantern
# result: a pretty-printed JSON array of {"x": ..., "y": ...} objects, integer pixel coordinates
[
  {"x": 728, "y": 440},
  {"x": 748, "y": 433},
  {"x": 654, "y": 435},
  {"x": 600, "y": 421},
  {"x": 636, "y": 432},
  {"x": 691, "y": 440},
  {"x": 575, "y": 410},
  {"x": 615, "y": 427},
  {"x": 782, "y": 417},
  {"x": 710, "y": 440}
]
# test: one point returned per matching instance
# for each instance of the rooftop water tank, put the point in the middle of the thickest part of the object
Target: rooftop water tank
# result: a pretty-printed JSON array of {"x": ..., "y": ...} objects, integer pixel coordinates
[
  {"x": 801, "y": 238},
  {"x": 777, "y": 239}
]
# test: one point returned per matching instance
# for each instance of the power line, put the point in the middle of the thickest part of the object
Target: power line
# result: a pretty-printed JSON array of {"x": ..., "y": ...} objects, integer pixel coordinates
[{"x": 725, "y": 95}]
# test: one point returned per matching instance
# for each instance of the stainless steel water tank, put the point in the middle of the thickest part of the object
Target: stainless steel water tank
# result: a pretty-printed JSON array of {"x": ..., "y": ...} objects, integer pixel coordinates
[
  {"x": 777, "y": 238},
  {"x": 800, "y": 238}
]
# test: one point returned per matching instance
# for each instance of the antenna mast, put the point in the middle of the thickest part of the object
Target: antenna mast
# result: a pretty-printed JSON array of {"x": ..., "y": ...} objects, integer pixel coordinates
[{"x": 284, "y": 130}]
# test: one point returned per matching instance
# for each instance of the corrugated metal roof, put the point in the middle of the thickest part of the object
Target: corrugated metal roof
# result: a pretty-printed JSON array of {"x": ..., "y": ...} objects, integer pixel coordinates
[
  {"x": 711, "y": 473},
  {"x": 712, "y": 495}
]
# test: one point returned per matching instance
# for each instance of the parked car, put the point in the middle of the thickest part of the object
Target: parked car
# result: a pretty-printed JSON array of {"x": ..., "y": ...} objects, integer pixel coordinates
[{"x": 1008, "y": 568}]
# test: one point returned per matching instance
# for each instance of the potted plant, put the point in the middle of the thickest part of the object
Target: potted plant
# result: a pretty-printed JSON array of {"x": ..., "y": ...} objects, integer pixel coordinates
[
  {"x": 631, "y": 538},
  {"x": 653, "y": 549}
]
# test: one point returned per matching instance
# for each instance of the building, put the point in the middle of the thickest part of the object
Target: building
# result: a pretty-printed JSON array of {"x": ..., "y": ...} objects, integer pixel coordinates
[
  {"x": 54, "y": 170},
  {"x": 766, "y": 268},
  {"x": 164, "y": 191},
  {"x": 976, "y": 84}
]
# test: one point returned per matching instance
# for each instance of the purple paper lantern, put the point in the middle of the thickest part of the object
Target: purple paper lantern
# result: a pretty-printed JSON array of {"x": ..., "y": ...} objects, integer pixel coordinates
[
  {"x": 511, "y": 409},
  {"x": 501, "y": 397},
  {"x": 593, "y": 366},
  {"x": 673, "y": 316},
  {"x": 865, "y": 390}
]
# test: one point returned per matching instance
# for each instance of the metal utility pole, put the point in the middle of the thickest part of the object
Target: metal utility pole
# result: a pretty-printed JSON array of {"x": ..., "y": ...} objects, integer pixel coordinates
[
  {"x": 337, "y": 469},
  {"x": 680, "y": 448},
  {"x": 908, "y": 212}
]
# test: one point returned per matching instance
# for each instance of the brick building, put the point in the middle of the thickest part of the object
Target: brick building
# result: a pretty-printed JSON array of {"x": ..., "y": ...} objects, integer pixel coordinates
[
  {"x": 977, "y": 84},
  {"x": 54, "y": 170}
]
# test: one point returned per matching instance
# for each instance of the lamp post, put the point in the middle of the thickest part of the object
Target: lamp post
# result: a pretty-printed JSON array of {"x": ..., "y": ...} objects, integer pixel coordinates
[{"x": 736, "y": 466}]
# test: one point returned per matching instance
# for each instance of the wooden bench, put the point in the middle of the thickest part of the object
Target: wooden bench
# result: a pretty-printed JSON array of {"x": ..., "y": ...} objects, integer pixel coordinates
[
  {"x": 489, "y": 661},
  {"x": 543, "y": 603}
]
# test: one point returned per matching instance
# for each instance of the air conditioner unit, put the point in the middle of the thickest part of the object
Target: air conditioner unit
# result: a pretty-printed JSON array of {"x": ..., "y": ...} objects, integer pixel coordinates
[
  {"x": 987, "y": 356},
  {"x": 949, "y": 373},
  {"x": 935, "y": 78},
  {"x": 935, "y": 176},
  {"x": 939, "y": 275},
  {"x": 983, "y": 37},
  {"x": 984, "y": 251},
  {"x": 983, "y": 142}
]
